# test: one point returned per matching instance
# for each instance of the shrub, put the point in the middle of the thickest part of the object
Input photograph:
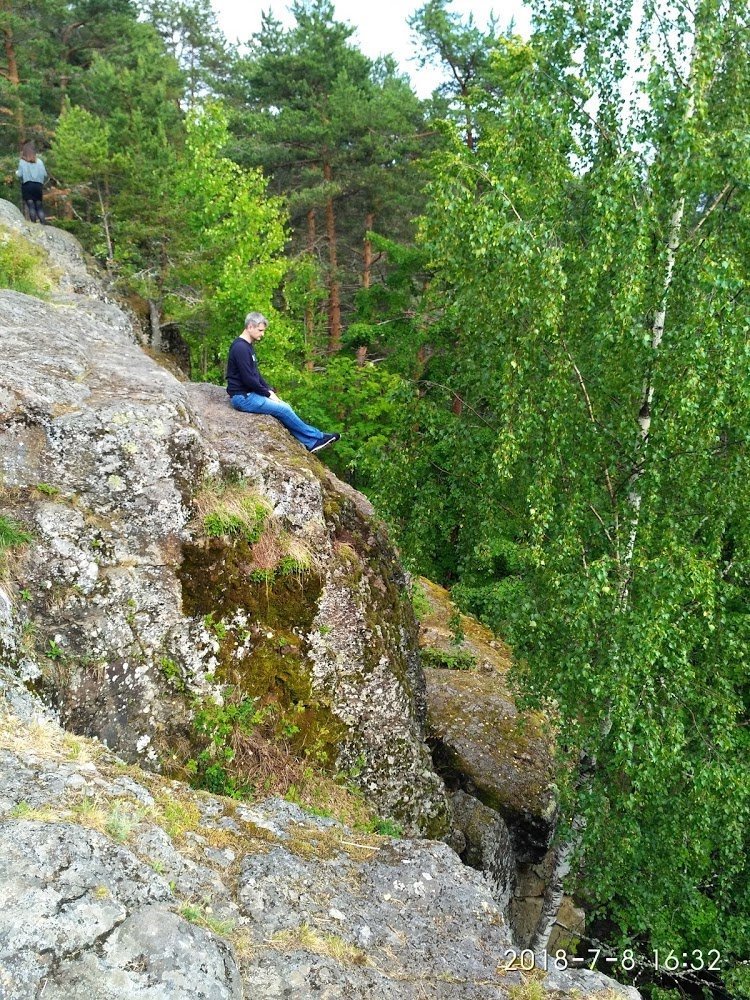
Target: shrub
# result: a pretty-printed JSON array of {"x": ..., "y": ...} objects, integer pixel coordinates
[{"x": 22, "y": 265}]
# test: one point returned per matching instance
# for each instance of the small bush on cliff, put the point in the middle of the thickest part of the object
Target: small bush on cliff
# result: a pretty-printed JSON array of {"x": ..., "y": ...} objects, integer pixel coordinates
[
  {"x": 223, "y": 728},
  {"x": 442, "y": 659},
  {"x": 22, "y": 266}
]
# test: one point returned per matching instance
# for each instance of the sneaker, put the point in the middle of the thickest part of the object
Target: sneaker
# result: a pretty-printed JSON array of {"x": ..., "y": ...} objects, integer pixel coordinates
[{"x": 325, "y": 441}]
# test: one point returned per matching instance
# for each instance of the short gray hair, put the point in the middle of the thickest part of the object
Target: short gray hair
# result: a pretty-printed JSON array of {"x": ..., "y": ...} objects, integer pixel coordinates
[{"x": 255, "y": 319}]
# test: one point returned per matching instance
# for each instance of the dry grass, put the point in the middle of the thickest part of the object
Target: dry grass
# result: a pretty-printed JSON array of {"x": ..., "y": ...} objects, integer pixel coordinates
[
  {"x": 262, "y": 763},
  {"x": 178, "y": 814},
  {"x": 45, "y": 740},
  {"x": 268, "y": 551},
  {"x": 530, "y": 989},
  {"x": 330, "y": 945},
  {"x": 321, "y": 795},
  {"x": 299, "y": 552},
  {"x": 43, "y": 814},
  {"x": 311, "y": 842}
]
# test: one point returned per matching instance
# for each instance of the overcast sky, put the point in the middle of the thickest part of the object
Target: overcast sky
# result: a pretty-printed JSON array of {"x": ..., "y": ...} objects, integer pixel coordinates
[{"x": 381, "y": 25}]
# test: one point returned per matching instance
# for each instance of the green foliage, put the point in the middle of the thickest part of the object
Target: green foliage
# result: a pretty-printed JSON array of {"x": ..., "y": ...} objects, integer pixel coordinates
[
  {"x": 204, "y": 918},
  {"x": 419, "y": 601},
  {"x": 387, "y": 828},
  {"x": 113, "y": 151},
  {"x": 55, "y": 652},
  {"x": 357, "y": 400},
  {"x": 22, "y": 265},
  {"x": 47, "y": 490},
  {"x": 456, "y": 626},
  {"x": 81, "y": 151},
  {"x": 219, "y": 726},
  {"x": 172, "y": 673},
  {"x": 463, "y": 51},
  {"x": 340, "y": 136},
  {"x": 120, "y": 823},
  {"x": 461, "y": 659},
  {"x": 615, "y": 560},
  {"x": 230, "y": 249},
  {"x": 191, "y": 33},
  {"x": 54, "y": 45},
  {"x": 231, "y": 510},
  {"x": 248, "y": 524}
]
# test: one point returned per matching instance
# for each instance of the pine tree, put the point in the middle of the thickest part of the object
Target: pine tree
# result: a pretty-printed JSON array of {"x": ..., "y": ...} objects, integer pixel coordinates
[{"x": 337, "y": 134}]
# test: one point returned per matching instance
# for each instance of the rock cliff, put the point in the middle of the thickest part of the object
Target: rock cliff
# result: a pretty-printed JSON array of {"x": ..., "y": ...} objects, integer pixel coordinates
[
  {"x": 119, "y": 884},
  {"x": 185, "y": 592},
  {"x": 182, "y": 551}
]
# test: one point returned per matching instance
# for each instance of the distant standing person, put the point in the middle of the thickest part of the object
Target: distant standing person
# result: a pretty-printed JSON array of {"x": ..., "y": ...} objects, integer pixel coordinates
[
  {"x": 250, "y": 392},
  {"x": 33, "y": 175}
]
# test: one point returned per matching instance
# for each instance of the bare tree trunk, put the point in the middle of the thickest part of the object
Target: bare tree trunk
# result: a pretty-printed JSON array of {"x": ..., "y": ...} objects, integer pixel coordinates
[
  {"x": 554, "y": 892},
  {"x": 105, "y": 222},
  {"x": 367, "y": 256},
  {"x": 153, "y": 315},
  {"x": 334, "y": 287}
]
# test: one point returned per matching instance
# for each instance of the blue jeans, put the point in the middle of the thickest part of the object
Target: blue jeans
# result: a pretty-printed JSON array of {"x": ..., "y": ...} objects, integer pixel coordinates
[{"x": 254, "y": 403}]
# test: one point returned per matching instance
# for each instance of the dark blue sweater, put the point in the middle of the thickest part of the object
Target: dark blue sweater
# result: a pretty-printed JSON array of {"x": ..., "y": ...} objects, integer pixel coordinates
[{"x": 242, "y": 371}]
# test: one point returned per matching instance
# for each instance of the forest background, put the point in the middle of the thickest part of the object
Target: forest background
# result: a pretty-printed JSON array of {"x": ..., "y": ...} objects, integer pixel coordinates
[{"x": 524, "y": 304}]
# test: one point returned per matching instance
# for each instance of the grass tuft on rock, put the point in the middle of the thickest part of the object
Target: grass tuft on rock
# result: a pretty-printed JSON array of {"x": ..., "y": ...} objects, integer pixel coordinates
[
  {"x": 12, "y": 534},
  {"x": 230, "y": 510},
  {"x": 307, "y": 938}
]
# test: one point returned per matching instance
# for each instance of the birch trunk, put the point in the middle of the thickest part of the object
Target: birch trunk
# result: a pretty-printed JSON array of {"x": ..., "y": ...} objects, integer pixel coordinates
[
  {"x": 635, "y": 493},
  {"x": 555, "y": 890}
]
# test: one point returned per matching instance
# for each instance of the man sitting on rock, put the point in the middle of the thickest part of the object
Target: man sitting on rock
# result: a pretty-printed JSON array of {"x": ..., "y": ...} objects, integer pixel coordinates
[{"x": 250, "y": 392}]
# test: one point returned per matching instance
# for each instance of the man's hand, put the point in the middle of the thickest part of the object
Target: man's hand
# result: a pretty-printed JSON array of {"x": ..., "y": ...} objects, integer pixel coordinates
[{"x": 274, "y": 398}]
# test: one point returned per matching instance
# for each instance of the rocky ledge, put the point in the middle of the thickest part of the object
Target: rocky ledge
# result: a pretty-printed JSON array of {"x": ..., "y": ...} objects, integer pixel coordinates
[{"x": 120, "y": 884}]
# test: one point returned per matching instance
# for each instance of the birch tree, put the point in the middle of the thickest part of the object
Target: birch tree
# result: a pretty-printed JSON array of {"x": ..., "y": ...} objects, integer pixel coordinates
[{"x": 592, "y": 255}]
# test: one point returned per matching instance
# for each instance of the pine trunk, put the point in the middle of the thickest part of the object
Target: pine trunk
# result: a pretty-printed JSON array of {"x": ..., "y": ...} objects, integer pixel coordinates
[
  {"x": 309, "y": 306},
  {"x": 14, "y": 80},
  {"x": 334, "y": 287},
  {"x": 367, "y": 255}
]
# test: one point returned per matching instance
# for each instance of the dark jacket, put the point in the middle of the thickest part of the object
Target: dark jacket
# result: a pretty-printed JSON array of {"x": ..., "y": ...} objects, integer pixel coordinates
[{"x": 242, "y": 371}]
